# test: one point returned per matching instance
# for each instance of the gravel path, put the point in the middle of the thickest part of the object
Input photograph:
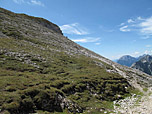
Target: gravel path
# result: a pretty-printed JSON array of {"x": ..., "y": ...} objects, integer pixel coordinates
[{"x": 135, "y": 104}]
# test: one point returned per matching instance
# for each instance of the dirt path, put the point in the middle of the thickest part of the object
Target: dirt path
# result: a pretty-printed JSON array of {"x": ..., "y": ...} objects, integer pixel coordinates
[{"x": 135, "y": 104}]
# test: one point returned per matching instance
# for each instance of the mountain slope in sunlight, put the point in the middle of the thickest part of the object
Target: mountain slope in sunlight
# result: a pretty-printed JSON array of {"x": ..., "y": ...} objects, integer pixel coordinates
[{"x": 43, "y": 71}]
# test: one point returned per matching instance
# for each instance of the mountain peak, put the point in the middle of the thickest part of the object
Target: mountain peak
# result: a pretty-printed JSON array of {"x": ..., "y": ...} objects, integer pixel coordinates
[{"x": 126, "y": 60}]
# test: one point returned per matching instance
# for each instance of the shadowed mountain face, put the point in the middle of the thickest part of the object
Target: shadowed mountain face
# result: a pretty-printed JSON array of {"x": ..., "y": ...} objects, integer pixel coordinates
[
  {"x": 144, "y": 64},
  {"x": 41, "y": 71}
]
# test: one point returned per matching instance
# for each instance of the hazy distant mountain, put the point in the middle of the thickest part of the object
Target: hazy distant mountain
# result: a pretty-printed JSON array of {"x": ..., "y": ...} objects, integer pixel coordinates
[
  {"x": 115, "y": 60},
  {"x": 127, "y": 60},
  {"x": 144, "y": 64}
]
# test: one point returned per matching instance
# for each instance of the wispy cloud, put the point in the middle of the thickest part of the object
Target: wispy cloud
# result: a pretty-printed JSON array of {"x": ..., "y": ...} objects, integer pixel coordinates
[
  {"x": 124, "y": 28},
  {"x": 130, "y": 21},
  {"x": 18, "y": 1},
  {"x": 97, "y": 43},
  {"x": 141, "y": 25},
  {"x": 122, "y": 24},
  {"x": 74, "y": 28},
  {"x": 86, "y": 40},
  {"x": 146, "y": 26},
  {"x": 36, "y": 2},
  {"x": 135, "y": 54},
  {"x": 30, "y": 2}
]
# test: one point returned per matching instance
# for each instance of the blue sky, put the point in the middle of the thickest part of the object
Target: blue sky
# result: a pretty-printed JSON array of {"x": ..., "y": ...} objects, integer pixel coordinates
[{"x": 111, "y": 28}]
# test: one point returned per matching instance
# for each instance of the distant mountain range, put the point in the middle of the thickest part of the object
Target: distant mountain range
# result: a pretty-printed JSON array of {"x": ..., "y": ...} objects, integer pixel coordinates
[
  {"x": 128, "y": 60},
  {"x": 142, "y": 63}
]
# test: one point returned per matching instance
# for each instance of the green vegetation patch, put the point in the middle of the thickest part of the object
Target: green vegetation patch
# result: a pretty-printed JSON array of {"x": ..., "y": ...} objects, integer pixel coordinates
[{"x": 33, "y": 74}]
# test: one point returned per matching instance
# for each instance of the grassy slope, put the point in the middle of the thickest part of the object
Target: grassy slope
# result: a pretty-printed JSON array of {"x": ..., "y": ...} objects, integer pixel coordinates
[
  {"x": 59, "y": 72},
  {"x": 34, "y": 71}
]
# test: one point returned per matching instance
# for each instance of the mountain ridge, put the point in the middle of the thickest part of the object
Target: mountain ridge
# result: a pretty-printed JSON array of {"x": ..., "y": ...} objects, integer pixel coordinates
[
  {"x": 128, "y": 60},
  {"x": 39, "y": 20}
]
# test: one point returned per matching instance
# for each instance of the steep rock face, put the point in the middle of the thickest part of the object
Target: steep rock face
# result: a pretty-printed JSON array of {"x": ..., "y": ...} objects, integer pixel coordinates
[
  {"x": 38, "y": 64},
  {"x": 127, "y": 60},
  {"x": 144, "y": 64}
]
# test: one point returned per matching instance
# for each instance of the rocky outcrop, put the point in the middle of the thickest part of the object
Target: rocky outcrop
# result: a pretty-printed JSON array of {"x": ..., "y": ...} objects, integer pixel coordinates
[{"x": 49, "y": 25}]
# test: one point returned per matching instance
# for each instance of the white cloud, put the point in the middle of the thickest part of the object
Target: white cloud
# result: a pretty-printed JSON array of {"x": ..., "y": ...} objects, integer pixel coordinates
[
  {"x": 130, "y": 21},
  {"x": 80, "y": 40},
  {"x": 146, "y": 26},
  {"x": 124, "y": 28},
  {"x": 135, "y": 54},
  {"x": 146, "y": 52},
  {"x": 30, "y": 2},
  {"x": 19, "y": 1},
  {"x": 140, "y": 18},
  {"x": 143, "y": 26},
  {"x": 36, "y": 2},
  {"x": 74, "y": 28},
  {"x": 86, "y": 40}
]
